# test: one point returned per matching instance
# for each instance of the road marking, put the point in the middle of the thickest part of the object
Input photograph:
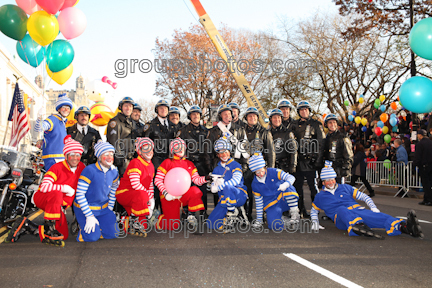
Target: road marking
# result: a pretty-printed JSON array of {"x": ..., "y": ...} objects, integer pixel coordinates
[
  {"x": 31, "y": 217},
  {"x": 421, "y": 221},
  {"x": 322, "y": 271}
]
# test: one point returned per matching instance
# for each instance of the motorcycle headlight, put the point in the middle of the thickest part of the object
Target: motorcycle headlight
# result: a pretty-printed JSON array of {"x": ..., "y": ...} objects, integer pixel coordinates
[{"x": 4, "y": 169}]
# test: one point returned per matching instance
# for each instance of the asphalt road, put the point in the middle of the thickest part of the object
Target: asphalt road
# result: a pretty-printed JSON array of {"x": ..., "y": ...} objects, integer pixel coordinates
[{"x": 326, "y": 259}]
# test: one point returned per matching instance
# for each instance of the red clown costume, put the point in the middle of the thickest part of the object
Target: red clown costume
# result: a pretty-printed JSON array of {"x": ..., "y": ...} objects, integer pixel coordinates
[
  {"x": 54, "y": 196},
  {"x": 170, "y": 220},
  {"x": 136, "y": 191}
]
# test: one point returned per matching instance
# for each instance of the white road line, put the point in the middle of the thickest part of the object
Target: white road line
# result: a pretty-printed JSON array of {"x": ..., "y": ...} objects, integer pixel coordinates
[
  {"x": 322, "y": 271},
  {"x": 421, "y": 221}
]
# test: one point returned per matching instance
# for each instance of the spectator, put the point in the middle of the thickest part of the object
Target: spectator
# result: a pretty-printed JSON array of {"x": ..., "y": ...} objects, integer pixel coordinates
[
  {"x": 423, "y": 160},
  {"x": 401, "y": 153},
  {"x": 359, "y": 168}
]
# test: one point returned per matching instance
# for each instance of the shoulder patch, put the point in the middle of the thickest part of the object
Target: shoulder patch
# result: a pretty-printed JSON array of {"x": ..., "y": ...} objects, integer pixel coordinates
[
  {"x": 146, "y": 127},
  {"x": 112, "y": 124}
]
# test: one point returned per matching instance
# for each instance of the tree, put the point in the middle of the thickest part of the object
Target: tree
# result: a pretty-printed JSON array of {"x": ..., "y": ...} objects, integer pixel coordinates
[
  {"x": 147, "y": 113},
  {"x": 186, "y": 77}
]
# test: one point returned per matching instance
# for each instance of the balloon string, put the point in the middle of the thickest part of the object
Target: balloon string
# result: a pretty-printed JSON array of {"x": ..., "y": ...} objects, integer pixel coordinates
[
  {"x": 25, "y": 54},
  {"x": 34, "y": 50}
]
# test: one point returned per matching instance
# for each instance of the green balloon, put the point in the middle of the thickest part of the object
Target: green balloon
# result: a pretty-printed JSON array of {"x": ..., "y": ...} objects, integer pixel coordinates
[
  {"x": 387, "y": 162},
  {"x": 387, "y": 138},
  {"x": 59, "y": 55},
  {"x": 420, "y": 38},
  {"x": 376, "y": 105},
  {"x": 13, "y": 22},
  {"x": 346, "y": 102},
  {"x": 378, "y": 102}
]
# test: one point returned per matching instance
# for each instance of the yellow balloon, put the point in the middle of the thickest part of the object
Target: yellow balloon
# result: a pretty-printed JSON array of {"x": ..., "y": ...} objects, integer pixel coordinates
[
  {"x": 364, "y": 121},
  {"x": 43, "y": 27},
  {"x": 385, "y": 130},
  {"x": 361, "y": 100},
  {"x": 71, "y": 118},
  {"x": 62, "y": 76},
  {"x": 382, "y": 98},
  {"x": 357, "y": 119}
]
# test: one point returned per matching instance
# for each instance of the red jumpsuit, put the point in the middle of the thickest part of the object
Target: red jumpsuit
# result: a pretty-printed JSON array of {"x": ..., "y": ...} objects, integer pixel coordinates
[
  {"x": 171, "y": 218},
  {"x": 50, "y": 197},
  {"x": 136, "y": 188}
]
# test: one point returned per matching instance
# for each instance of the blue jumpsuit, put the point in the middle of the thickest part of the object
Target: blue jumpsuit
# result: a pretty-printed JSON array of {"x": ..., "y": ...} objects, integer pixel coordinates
[
  {"x": 232, "y": 194},
  {"x": 343, "y": 208},
  {"x": 274, "y": 202},
  {"x": 54, "y": 133}
]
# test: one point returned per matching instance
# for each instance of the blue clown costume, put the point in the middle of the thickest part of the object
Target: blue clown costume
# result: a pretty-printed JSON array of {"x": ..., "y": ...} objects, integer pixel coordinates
[
  {"x": 340, "y": 204},
  {"x": 274, "y": 193},
  {"x": 54, "y": 132},
  {"x": 95, "y": 197},
  {"x": 231, "y": 190}
]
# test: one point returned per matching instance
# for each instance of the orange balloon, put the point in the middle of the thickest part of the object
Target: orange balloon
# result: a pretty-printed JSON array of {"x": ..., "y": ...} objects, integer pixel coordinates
[
  {"x": 393, "y": 105},
  {"x": 324, "y": 115},
  {"x": 384, "y": 117}
]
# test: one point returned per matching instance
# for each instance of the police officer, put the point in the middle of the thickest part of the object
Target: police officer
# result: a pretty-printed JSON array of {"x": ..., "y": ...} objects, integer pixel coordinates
[
  {"x": 84, "y": 134},
  {"x": 161, "y": 131},
  {"x": 136, "y": 117},
  {"x": 195, "y": 135},
  {"x": 236, "y": 113},
  {"x": 174, "y": 117},
  {"x": 309, "y": 134},
  {"x": 260, "y": 140},
  {"x": 285, "y": 106},
  {"x": 338, "y": 149},
  {"x": 284, "y": 143},
  {"x": 119, "y": 134}
]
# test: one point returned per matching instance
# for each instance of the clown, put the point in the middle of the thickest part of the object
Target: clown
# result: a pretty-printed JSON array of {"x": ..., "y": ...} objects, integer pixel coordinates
[
  {"x": 136, "y": 191},
  {"x": 274, "y": 193},
  {"x": 95, "y": 197},
  {"x": 228, "y": 182},
  {"x": 170, "y": 219},
  {"x": 339, "y": 203},
  {"x": 54, "y": 195}
]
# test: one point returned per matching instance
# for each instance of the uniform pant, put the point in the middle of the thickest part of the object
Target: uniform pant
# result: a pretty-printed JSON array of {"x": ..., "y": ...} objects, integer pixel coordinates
[
  {"x": 107, "y": 228},
  {"x": 346, "y": 218},
  {"x": 311, "y": 178},
  {"x": 135, "y": 202},
  {"x": 426, "y": 175},
  {"x": 250, "y": 202},
  {"x": 170, "y": 220},
  {"x": 230, "y": 196},
  {"x": 275, "y": 208},
  {"x": 51, "y": 203}
]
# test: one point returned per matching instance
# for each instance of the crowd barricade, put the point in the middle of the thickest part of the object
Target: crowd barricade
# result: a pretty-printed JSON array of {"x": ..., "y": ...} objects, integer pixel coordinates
[{"x": 393, "y": 174}]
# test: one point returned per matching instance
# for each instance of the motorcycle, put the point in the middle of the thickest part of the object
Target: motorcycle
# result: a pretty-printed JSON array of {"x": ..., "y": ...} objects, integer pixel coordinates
[{"x": 20, "y": 177}]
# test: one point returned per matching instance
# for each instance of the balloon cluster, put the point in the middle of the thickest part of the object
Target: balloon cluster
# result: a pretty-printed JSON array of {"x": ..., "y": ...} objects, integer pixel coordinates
[
  {"x": 105, "y": 79},
  {"x": 416, "y": 93},
  {"x": 43, "y": 27}
]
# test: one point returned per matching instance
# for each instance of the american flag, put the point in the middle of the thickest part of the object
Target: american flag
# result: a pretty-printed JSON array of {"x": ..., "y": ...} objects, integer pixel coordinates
[{"x": 19, "y": 118}]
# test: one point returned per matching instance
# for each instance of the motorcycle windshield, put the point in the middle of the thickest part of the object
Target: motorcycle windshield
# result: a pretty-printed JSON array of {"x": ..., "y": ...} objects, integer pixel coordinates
[{"x": 14, "y": 158}]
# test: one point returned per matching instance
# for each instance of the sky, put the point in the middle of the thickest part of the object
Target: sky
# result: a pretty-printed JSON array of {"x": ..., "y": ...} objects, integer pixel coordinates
[{"x": 128, "y": 29}]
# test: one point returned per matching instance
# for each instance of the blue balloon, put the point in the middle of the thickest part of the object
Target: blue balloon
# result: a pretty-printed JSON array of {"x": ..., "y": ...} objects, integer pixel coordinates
[
  {"x": 350, "y": 117},
  {"x": 380, "y": 124},
  {"x": 30, "y": 52},
  {"x": 393, "y": 116},
  {"x": 393, "y": 121},
  {"x": 383, "y": 108},
  {"x": 59, "y": 55},
  {"x": 361, "y": 96},
  {"x": 420, "y": 38},
  {"x": 354, "y": 113},
  {"x": 364, "y": 128},
  {"x": 415, "y": 94}
]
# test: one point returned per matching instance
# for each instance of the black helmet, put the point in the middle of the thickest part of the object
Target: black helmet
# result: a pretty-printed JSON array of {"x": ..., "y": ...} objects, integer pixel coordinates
[
  {"x": 275, "y": 112},
  {"x": 126, "y": 99},
  {"x": 250, "y": 110},
  {"x": 137, "y": 106},
  {"x": 192, "y": 109},
  {"x": 234, "y": 105},
  {"x": 330, "y": 117},
  {"x": 303, "y": 104},
  {"x": 174, "y": 110},
  {"x": 161, "y": 103},
  {"x": 222, "y": 108},
  {"x": 82, "y": 109}
]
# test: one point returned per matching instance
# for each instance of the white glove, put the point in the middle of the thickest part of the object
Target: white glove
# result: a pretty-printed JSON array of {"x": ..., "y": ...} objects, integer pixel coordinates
[
  {"x": 214, "y": 188},
  {"x": 284, "y": 186},
  {"x": 375, "y": 210},
  {"x": 90, "y": 226},
  {"x": 68, "y": 190},
  {"x": 220, "y": 182},
  {"x": 170, "y": 197}
]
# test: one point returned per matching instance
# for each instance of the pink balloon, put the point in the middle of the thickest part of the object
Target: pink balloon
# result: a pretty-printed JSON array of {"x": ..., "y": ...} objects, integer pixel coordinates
[
  {"x": 50, "y": 6},
  {"x": 68, "y": 3},
  {"x": 72, "y": 22},
  {"x": 104, "y": 79},
  {"x": 177, "y": 181},
  {"x": 29, "y": 6},
  {"x": 109, "y": 82},
  {"x": 114, "y": 85}
]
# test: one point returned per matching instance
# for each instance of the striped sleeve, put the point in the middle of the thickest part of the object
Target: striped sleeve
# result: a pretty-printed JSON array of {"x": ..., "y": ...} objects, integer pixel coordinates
[
  {"x": 235, "y": 179},
  {"x": 314, "y": 215},
  {"x": 159, "y": 179},
  {"x": 282, "y": 175},
  {"x": 197, "y": 179},
  {"x": 83, "y": 185},
  {"x": 47, "y": 125},
  {"x": 48, "y": 185},
  {"x": 259, "y": 206},
  {"x": 38, "y": 125},
  {"x": 363, "y": 197},
  {"x": 113, "y": 190},
  {"x": 135, "y": 181}
]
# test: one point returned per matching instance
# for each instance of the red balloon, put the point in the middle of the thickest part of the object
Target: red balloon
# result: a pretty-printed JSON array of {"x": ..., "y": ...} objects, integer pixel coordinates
[
  {"x": 104, "y": 79},
  {"x": 378, "y": 131},
  {"x": 114, "y": 85},
  {"x": 51, "y": 6},
  {"x": 410, "y": 125},
  {"x": 109, "y": 82}
]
